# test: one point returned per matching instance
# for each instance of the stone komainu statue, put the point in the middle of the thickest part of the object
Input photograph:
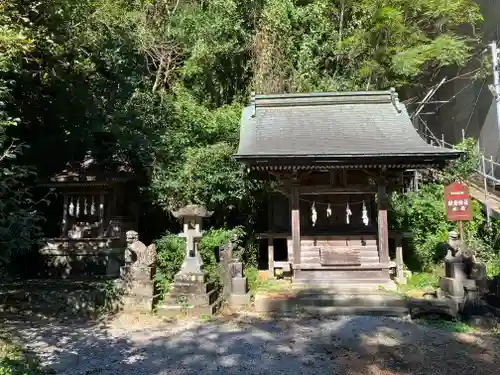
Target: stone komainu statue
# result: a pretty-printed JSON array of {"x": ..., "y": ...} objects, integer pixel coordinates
[{"x": 138, "y": 254}]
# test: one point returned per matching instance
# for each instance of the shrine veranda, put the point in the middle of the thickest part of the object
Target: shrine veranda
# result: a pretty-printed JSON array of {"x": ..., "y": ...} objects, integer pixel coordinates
[{"x": 335, "y": 157}]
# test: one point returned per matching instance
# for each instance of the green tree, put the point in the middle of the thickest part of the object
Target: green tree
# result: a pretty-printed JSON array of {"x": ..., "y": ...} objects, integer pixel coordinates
[
  {"x": 161, "y": 83},
  {"x": 359, "y": 44},
  {"x": 423, "y": 214},
  {"x": 19, "y": 218}
]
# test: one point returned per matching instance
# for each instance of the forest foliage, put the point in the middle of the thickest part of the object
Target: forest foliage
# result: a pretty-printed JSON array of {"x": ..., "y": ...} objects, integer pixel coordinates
[{"x": 161, "y": 84}]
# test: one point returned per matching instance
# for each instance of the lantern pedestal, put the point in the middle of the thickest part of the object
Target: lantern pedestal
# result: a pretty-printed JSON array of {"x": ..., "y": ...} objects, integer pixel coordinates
[{"x": 190, "y": 293}]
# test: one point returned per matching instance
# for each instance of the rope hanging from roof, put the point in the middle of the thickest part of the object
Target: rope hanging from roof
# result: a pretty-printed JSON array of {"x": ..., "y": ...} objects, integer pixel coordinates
[
  {"x": 364, "y": 215},
  {"x": 348, "y": 213},
  {"x": 71, "y": 210},
  {"x": 364, "y": 211},
  {"x": 329, "y": 211},
  {"x": 77, "y": 210},
  {"x": 92, "y": 206},
  {"x": 314, "y": 214}
]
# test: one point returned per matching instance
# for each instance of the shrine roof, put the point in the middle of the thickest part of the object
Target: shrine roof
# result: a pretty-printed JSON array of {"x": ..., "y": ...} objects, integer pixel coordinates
[
  {"x": 338, "y": 126},
  {"x": 90, "y": 172}
]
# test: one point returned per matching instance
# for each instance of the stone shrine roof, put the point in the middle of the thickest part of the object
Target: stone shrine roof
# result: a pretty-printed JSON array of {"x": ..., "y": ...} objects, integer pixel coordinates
[
  {"x": 192, "y": 210},
  {"x": 91, "y": 172},
  {"x": 338, "y": 127}
]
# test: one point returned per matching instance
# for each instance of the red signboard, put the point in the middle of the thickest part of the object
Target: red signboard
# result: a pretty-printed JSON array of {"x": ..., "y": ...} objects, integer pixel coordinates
[{"x": 457, "y": 201}]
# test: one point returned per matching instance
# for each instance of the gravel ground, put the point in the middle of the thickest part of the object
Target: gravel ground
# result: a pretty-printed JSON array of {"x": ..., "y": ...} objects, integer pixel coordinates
[{"x": 254, "y": 345}]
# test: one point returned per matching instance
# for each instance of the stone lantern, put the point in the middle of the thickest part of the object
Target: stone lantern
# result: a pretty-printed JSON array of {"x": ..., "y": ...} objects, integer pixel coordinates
[
  {"x": 192, "y": 217},
  {"x": 190, "y": 293}
]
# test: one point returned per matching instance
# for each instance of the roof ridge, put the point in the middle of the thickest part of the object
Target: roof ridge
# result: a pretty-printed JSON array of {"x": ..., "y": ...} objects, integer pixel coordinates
[{"x": 324, "y": 98}]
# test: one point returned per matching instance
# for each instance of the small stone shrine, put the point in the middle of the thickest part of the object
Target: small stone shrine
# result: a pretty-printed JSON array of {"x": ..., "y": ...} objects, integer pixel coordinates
[
  {"x": 235, "y": 291},
  {"x": 96, "y": 197},
  {"x": 137, "y": 274},
  {"x": 465, "y": 279},
  {"x": 190, "y": 292}
]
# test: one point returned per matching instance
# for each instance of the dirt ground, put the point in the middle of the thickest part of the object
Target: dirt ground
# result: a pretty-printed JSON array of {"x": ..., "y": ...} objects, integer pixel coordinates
[{"x": 253, "y": 344}]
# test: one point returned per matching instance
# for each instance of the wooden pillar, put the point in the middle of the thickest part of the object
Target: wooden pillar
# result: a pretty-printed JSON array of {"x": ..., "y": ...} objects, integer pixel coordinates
[
  {"x": 270, "y": 256},
  {"x": 295, "y": 224},
  {"x": 399, "y": 259},
  {"x": 383, "y": 227},
  {"x": 65, "y": 216}
]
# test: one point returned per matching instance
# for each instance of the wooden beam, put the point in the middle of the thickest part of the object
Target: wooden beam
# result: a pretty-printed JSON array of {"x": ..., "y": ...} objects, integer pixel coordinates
[
  {"x": 392, "y": 234},
  {"x": 294, "y": 202},
  {"x": 383, "y": 226},
  {"x": 327, "y": 189}
]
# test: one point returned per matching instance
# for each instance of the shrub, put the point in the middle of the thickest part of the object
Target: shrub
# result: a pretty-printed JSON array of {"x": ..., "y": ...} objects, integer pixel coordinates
[
  {"x": 424, "y": 280},
  {"x": 493, "y": 267},
  {"x": 423, "y": 214},
  {"x": 170, "y": 254},
  {"x": 16, "y": 361},
  {"x": 209, "y": 246},
  {"x": 171, "y": 250}
]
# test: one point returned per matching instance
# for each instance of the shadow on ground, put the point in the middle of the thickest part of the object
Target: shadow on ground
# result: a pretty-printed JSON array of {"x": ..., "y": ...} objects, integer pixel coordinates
[{"x": 248, "y": 344}]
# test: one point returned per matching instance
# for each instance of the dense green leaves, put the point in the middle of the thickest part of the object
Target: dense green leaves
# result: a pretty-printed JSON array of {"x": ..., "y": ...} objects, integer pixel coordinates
[
  {"x": 359, "y": 45},
  {"x": 161, "y": 83},
  {"x": 422, "y": 213},
  {"x": 171, "y": 250}
]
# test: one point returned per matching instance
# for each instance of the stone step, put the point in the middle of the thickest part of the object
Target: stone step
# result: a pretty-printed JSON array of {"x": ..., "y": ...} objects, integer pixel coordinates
[
  {"x": 354, "y": 310},
  {"x": 190, "y": 287},
  {"x": 359, "y": 300},
  {"x": 389, "y": 305},
  {"x": 191, "y": 299},
  {"x": 176, "y": 310},
  {"x": 351, "y": 286}
]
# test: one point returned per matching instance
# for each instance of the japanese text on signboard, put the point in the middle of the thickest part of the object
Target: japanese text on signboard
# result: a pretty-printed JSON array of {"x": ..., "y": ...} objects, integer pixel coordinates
[{"x": 457, "y": 202}]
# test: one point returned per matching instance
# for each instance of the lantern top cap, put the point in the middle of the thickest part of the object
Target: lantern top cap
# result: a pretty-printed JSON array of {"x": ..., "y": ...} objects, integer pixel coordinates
[{"x": 192, "y": 210}]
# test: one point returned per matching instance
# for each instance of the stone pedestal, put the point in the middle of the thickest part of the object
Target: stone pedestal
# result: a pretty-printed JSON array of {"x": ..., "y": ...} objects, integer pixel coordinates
[
  {"x": 240, "y": 295},
  {"x": 455, "y": 279},
  {"x": 189, "y": 294},
  {"x": 137, "y": 289},
  {"x": 464, "y": 281}
]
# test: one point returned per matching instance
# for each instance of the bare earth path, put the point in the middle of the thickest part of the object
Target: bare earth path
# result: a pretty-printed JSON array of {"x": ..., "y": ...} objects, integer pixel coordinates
[{"x": 253, "y": 345}]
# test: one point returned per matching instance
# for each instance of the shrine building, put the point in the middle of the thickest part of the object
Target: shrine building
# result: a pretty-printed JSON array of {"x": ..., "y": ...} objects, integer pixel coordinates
[{"x": 334, "y": 158}]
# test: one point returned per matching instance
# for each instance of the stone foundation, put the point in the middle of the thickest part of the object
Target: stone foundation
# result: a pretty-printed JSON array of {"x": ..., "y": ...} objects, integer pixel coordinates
[{"x": 190, "y": 294}]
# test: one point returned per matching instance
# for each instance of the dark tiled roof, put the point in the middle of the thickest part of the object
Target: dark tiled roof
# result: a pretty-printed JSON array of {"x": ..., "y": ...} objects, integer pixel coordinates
[{"x": 333, "y": 125}]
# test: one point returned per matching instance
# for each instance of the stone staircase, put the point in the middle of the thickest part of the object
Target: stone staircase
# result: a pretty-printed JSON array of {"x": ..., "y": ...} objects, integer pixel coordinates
[{"x": 348, "y": 299}]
